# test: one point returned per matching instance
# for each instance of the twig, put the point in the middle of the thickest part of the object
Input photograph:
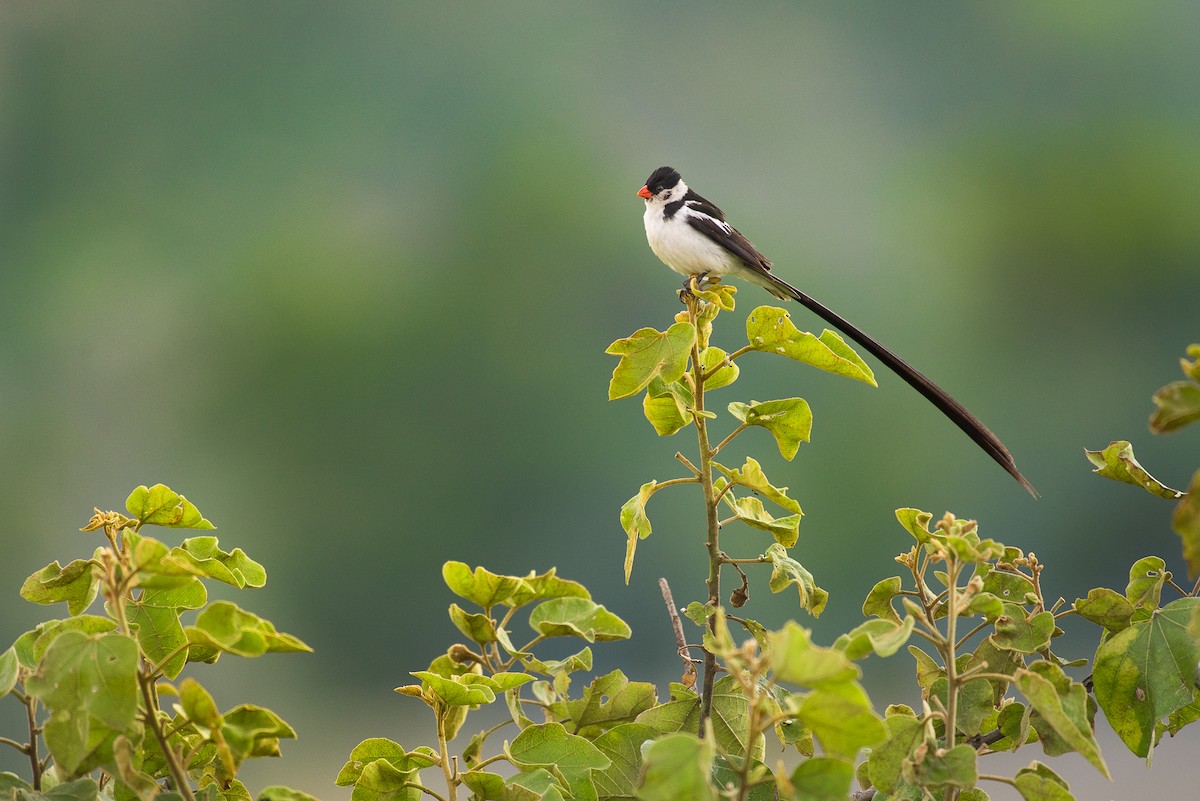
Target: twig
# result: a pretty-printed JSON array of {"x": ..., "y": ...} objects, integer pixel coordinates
[{"x": 689, "y": 670}]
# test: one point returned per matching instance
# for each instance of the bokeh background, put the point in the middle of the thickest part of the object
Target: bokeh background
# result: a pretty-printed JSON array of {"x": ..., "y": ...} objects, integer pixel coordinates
[{"x": 344, "y": 276}]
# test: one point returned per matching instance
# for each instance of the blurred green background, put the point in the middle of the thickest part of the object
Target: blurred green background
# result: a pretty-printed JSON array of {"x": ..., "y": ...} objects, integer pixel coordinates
[{"x": 344, "y": 276}]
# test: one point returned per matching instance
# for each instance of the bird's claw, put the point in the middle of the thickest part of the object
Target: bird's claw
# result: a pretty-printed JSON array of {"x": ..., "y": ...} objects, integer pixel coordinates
[{"x": 693, "y": 285}]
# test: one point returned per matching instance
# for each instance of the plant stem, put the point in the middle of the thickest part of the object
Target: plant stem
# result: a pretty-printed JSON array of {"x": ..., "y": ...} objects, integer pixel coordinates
[
  {"x": 424, "y": 789},
  {"x": 34, "y": 763},
  {"x": 710, "y": 509},
  {"x": 952, "y": 679},
  {"x": 444, "y": 751},
  {"x": 178, "y": 773}
]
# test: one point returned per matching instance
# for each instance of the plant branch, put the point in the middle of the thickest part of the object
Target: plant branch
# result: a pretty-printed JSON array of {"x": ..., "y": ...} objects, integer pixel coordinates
[
  {"x": 710, "y": 509},
  {"x": 689, "y": 670},
  {"x": 1002, "y": 779},
  {"x": 424, "y": 789},
  {"x": 178, "y": 773},
  {"x": 970, "y": 634},
  {"x": 35, "y": 764},
  {"x": 688, "y": 464},
  {"x": 444, "y": 753},
  {"x": 721, "y": 445},
  {"x": 670, "y": 482}
]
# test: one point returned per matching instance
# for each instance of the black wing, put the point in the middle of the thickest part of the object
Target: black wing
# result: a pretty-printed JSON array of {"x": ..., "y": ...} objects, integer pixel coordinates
[
  {"x": 729, "y": 238},
  {"x": 703, "y": 206}
]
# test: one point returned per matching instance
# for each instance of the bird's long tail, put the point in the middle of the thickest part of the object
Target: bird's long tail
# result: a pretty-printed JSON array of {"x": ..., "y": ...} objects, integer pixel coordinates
[{"x": 933, "y": 393}]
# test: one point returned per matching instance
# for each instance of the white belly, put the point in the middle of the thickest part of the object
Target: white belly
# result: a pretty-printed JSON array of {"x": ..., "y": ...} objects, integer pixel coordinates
[{"x": 684, "y": 249}]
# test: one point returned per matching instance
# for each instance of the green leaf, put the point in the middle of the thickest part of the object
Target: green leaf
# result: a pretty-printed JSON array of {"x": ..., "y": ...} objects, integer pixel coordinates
[
  {"x": 668, "y": 405},
  {"x": 9, "y": 668},
  {"x": 647, "y": 355},
  {"x": 161, "y": 506},
  {"x": 483, "y": 588},
  {"x": 77, "y": 584},
  {"x": 608, "y": 701},
  {"x": 795, "y": 660},
  {"x": 879, "y": 599},
  {"x": 823, "y": 779},
  {"x": 549, "y": 744},
  {"x": 770, "y": 329},
  {"x": 1178, "y": 405},
  {"x": 457, "y": 690},
  {"x": 726, "y": 375},
  {"x": 951, "y": 768},
  {"x": 198, "y": 705},
  {"x": 635, "y": 522},
  {"x": 480, "y": 628},
  {"x": 886, "y": 762},
  {"x": 841, "y": 719},
  {"x": 159, "y": 632},
  {"x": 928, "y": 671},
  {"x": 1008, "y": 586},
  {"x": 234, "y": 567},
  {"x": 1001, "y": 661},
  {"x": 1118, "y": 463},
  {"x": 1062, "y": 704},
  {"x": 278, "y": 792},
  {"x": 1015, "y": 631},
  {"x": 975, "y": 703},
  {"x": 493, "y": 786},
  {"x": 132, "y": 780},
  {"x": 153, "y": 565},
  {"x": 751, "y": 476},
  {"x": 252, "y": 731},
  {"x": 548, "y": 667},
  {"x": 32, "y": 645},
  {"x": 715, "y": 293},
  {"x": 226, "y": 628},
  {"x": 750, "y": 510},
  {"x": 985, "y": 605},
  {"x": 1038, "y": 783},
  {"x": 789, "y": 420},
  {"x": 577, "y": 617},
  {"x": 543, "y": 586},
  {"x": 1146, "y": 672},
  {"x": 760, "y": 785},
  {"x": 381, "y": 749},
  {"x": 1186, "y": 523},
  {"x": 379, "y": 780},
  {"x": 623, "y": 746},
  {"x": 730, "y": 717},
  {"x": 84, "y": 789},
  {"x": 916, "y": 523},
  {"x": 677, "y": 767},
  {"x": 89, "y": 684},
  {"x": 1105, "y": 607},
  {"x": 1147, "y": 576},
  {"x": 786, "y": 572},
  {"x": 880, "y": 637}
]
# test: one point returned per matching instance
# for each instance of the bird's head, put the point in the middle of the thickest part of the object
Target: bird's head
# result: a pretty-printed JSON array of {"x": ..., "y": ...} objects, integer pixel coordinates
[{"x": 664, "y": 185}]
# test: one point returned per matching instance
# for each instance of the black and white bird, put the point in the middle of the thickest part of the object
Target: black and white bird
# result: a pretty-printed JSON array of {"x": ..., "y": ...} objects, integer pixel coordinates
[{"x": 691, "y": 237}]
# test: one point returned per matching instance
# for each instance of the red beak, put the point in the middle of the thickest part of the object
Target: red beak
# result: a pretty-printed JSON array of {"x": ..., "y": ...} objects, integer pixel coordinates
[{"x": 644, "y": 192}]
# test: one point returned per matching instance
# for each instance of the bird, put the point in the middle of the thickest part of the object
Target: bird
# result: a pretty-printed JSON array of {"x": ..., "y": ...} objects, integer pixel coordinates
[{"x": 691, "y": 236}]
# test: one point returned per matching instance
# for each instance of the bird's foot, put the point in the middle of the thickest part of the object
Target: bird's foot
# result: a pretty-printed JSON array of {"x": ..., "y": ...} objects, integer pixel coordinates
[{"x": 693, "y": 285}]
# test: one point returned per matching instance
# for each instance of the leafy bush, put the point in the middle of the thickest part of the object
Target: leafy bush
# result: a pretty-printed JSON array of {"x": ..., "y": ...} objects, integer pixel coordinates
[{"x": 972, "y": 612}]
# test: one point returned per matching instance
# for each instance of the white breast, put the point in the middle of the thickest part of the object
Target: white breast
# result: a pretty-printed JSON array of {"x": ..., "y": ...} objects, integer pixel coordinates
[{"x": 682, "y": 248}]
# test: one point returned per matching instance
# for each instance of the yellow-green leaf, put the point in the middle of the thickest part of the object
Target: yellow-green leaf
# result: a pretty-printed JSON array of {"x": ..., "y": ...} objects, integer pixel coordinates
[
  {"x": 1118, "y": 463},
  {"x": 650, "y": 354},
  {"x": 789, "y": 420},
  {"x": 770, "y": 329}
]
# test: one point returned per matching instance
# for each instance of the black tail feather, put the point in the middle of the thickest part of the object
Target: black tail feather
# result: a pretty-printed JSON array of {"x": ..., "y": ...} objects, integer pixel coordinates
[{"x": 948, "y": 406}]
